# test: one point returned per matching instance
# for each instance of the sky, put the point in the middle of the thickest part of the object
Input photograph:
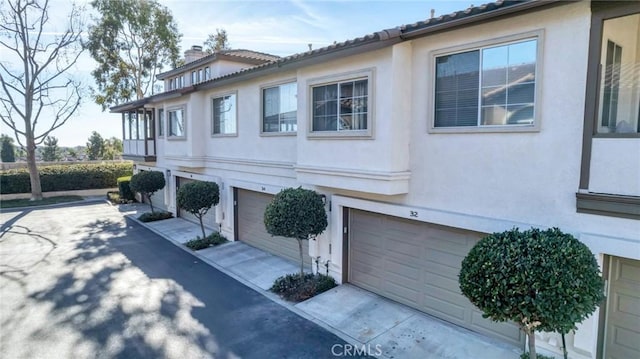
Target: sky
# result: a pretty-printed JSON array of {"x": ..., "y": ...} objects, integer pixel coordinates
[{"x": 276, "y": 27}]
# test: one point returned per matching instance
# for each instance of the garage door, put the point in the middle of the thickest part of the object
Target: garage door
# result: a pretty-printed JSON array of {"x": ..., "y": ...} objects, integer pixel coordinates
[
  {"x": 417, "y": 264},
  {"x": 250, "y": 228},
  {"x": 623, "y": 310},
  {"x": 209, "y": 219}
]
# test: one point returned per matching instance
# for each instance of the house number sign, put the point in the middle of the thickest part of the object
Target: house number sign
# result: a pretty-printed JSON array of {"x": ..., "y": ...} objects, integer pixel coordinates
[{"x": 413, "y": 214}]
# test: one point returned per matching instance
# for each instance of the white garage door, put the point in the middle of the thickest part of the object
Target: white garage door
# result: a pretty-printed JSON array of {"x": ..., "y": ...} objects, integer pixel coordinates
[
  {"x": 417, "y": 264},
  {"x": 250, "y": 228},
  {"x": 209, "y": 219},
  {"x": 623, "y": 310}
]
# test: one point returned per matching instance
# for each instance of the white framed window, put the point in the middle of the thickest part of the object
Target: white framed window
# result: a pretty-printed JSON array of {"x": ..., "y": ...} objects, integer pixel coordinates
[
  {"x": 224, "y": 113},
  {"x": 487, "y": 87},
  {"x": 200, "y": 75},
  {"x": 207, "y": 73},
  {"x": 279, "y": 108},
  {"x": 180, "y": 81},
  {"x": 161, "y": 122},
  {"x": 176, "y": 126},
  {"x": 341, "y": 105},
  {"x": 194, "y": 77},
  {"x": 619, "y": 90}
]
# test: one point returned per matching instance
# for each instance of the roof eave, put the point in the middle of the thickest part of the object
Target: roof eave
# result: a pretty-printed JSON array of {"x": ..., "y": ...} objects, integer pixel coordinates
[{"x": 477, "y": 18}]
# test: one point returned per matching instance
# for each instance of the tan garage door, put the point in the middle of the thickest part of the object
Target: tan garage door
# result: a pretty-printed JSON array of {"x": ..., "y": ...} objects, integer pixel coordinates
[
  {"x": 417, "y": 264},
  {"x": 251, "y": 230},
  {"x": 209, "y": 219},
  {"x": 623, "y": 310}
]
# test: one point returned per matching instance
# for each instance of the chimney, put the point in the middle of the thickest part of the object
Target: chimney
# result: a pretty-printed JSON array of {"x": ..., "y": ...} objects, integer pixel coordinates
[
  {"x": 433, "y": 13},
  {"x": 193, "y": 54}
]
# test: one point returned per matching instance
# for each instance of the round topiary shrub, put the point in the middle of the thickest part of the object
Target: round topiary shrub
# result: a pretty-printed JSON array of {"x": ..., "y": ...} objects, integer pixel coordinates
[
  {"x": 147, "y": 183},
  {"x": 197, "y": 198},
  {"x": 543, "y": 280},
  {"x": 296, "y": 213}
]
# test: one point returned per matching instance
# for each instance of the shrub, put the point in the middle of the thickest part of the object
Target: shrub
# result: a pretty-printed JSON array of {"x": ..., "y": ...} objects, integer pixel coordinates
[
  {"x": 542, "y": 280},
  {"x": 540, "y": 356},
  {"x": 197, "y": 198},
  {"x": 147, "y": 183},
  {"x": 154, "y": 216},
  {"x": 212, "y": 240},
  {"x": 296, "y": 213},
  {"x": 297, "y": 288},
  {"x": 124, "y": 190},
  {"x": 65, "y": 177}
]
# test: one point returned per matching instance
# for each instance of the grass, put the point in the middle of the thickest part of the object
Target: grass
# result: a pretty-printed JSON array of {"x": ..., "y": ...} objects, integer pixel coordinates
[{"x": 15, "y": 203}]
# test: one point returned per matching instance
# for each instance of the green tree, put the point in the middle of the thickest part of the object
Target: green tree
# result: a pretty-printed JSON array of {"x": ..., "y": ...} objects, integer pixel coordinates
[
  {"x": 217, "y": 41},
  {"x": 7, "y": 152},
  {"x": 40, "y": 90},
  {"x": 112, "y": 148},
  {"x": 197, "y": 198},
  {"x": 95, "y": 146},
  {"x": 131, "y": 41},
  {"x": 542, "y": 280},
  {"x": 147, "y": 183},
  {"x": 296, "y": 213},
  {"x": 51, "y": 150}
]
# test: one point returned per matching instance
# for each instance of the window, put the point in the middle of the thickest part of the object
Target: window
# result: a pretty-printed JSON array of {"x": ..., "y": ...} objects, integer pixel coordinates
[
  {"x": 133, "y": 125},
  {"x": 207, "y": 73},
  {"x": 161, "y": 122},
  {"x": 141, "y": 126},
  {"x": 341, "y": 106},
  {"x": 619, "y": 97},
  {"x": 487, "y": 86},
  {"x": 194, "y": 77},
  {"x": 224, "y": 115},
  {"x": 176, "y": 123},
  {"x": 200, "y": 78},
  {"x": 279, "y": 104}
]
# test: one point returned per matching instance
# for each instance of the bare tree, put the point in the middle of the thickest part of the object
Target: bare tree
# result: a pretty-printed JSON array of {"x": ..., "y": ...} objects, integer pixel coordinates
[{"x": 40, "y": 87}]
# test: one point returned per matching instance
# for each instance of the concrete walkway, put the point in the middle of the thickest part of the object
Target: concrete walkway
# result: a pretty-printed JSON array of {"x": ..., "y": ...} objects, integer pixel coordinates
[{"x": 383, "y": 327}]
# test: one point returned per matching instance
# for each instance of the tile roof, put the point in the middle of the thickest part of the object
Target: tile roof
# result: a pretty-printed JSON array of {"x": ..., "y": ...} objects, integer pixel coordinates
[{"x": 376, "y": 40}]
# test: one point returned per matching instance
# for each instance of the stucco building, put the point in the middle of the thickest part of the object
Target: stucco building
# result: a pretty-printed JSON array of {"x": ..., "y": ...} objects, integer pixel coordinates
[{"x": 423, "y": 138}]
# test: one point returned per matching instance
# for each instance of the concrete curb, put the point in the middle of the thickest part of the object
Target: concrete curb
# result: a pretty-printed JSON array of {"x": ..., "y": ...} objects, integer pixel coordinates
[
  {"x": 53, "y": 205},
  {"x": 273, "y": 297}
]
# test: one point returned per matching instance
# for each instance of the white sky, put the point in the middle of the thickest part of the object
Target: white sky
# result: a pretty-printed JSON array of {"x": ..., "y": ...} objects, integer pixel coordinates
[{"x": 276, "y": 27}]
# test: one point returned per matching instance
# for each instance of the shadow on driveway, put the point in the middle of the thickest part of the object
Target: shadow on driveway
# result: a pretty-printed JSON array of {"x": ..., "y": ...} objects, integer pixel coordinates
[{"x": 113, "y": 289}]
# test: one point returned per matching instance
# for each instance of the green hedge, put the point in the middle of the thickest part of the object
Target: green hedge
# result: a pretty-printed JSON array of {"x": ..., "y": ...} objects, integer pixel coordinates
[
  {"x": 124, "y": 190},
  {"x": 66, "y": 177}
]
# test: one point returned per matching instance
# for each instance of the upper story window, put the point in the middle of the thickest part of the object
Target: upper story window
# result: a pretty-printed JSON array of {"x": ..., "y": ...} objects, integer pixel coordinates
[
  {"x": 279, "y": 105},
  {"x": 194, "y": 77},
  {"x": 181, "y": 82},
  {"x": 161, "y": 122},
  {"x": 487, "y": 86},
  {"x": 224, "y": 115},
  {"x": 207, "y": 73},
  {"x": 200, "y": 75},
  {"x": 341, "y": 106},
  {"x": 619, "y": 92},
  {"x": 176, "y": 122}
]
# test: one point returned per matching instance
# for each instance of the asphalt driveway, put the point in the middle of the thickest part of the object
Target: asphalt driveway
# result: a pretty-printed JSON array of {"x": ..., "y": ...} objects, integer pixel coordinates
[{"x": 81, "y": 281}]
